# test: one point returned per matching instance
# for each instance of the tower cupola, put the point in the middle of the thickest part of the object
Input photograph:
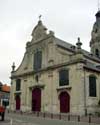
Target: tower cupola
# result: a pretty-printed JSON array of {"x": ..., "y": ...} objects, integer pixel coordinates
[
  {"x": 97, "y": 14},
  {"x": 95, "y": 36}
]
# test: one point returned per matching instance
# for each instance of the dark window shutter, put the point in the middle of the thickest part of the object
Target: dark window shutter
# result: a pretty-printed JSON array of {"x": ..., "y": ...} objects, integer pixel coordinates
[
  {"x": 92, "y": 86},
  {"x": 63, "y": 77}
]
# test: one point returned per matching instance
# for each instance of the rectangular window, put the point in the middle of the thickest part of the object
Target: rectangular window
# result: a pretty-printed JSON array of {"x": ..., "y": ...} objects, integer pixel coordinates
[
  {"x": 18, "y": 84},
  {"x": 37, "y": 60},
  {"x": 92, "y": 86},
  {"x": 63, "y": 77}
]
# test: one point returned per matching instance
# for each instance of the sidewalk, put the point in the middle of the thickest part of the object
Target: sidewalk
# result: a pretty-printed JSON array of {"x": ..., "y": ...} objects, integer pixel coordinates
[{"x": 38, "y": 119}]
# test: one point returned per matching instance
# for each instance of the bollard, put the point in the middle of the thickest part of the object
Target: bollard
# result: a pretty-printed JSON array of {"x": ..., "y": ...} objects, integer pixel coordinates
[
  {"x": 21, "y": 112},
  {"x": 68, "y": 117},
  {"x": 37, "y": 114},
  {"x": 60, "y": 116},
  {"x": 44, "y": 115},
  {"x": 51, "y": 115},
  {"x": 8, "y": 110},
  {"x": 78, "y": 118},
  {"x": 89, "y": 118}
]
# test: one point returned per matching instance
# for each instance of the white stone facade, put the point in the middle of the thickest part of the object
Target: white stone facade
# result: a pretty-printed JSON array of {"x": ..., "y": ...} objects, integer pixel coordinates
[{"x": 56, "y": 55}]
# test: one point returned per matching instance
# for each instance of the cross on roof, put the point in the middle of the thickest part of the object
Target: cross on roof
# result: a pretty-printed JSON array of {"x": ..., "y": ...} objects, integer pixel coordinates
[
  {"x": 40, "y": 17},
  {"x": 98, "y": 5}
]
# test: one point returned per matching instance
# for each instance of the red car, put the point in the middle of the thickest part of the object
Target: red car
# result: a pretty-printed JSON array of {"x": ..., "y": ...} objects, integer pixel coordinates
[{"x": 2, "y": 112}]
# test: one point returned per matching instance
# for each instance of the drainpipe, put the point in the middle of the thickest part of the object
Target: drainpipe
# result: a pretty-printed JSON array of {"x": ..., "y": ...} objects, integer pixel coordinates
[{"x": 85, "y": 107}]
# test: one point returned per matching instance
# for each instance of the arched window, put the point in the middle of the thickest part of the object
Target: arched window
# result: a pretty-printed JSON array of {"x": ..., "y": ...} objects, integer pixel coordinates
[
  {"x": 97, "y": 52},
  {"x": 37, "y": 60},
  {"x": 63, "y": 77},
  {"x": 92, "y": 86},
  {"x": 18, "y": 84}
]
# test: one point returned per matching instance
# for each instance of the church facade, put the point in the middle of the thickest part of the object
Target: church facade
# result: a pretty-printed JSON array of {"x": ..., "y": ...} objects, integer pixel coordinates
[{"x": 57, "y": 77}]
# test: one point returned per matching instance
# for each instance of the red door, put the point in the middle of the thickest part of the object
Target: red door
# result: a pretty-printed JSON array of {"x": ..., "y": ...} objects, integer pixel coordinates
[
  {"x": 36, "y": 99},
  {"x": 64, "y": 102},
  {"x": 17, "y": 102}
]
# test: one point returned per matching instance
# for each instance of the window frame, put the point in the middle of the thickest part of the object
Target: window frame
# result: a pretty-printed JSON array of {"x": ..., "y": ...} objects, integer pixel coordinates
[
  {"x": 92, "y": 86},
  {"x": 37, "y": 60},
  {"x": 65, "y": 81},
  {"x": 18, "y": 84}
]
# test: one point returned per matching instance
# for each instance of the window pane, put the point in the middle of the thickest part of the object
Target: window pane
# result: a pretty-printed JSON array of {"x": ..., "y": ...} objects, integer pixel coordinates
[
  {"x": 18, "y": 84},
  {"x": 63, "y": 77},
  {"x": 92, "y": 86},
  {"x": 37, "y": 60}
]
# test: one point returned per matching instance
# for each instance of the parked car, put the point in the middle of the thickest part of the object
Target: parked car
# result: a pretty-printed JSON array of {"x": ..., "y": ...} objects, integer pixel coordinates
[{"x": 2, "y": 112}]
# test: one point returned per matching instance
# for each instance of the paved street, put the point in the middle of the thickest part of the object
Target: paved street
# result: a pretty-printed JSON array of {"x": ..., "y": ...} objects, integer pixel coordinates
[{"x": 18, "y": 119}]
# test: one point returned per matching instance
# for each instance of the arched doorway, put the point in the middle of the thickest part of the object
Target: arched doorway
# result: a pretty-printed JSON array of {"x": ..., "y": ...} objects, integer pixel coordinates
[
  {"x": 64, "y": 102},
  {"x": 18, "y": 102},
  {"x": 36, "y": 99}
]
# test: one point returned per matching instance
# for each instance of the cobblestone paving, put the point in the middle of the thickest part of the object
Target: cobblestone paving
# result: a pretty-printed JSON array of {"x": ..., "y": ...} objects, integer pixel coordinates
[
  {"x": 16, "y": 122},
  {"x": 17, "y": 119}
]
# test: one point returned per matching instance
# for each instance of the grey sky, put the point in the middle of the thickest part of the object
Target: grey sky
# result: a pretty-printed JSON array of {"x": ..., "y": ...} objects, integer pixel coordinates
[{"x": 69, "y": 19}]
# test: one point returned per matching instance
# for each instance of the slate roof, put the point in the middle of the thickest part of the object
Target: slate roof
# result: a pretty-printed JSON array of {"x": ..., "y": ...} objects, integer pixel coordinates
[
  {"x": 69, "y": 46},
  {"x": 98, "y": 14},
  {"x": 87, "y": 54},
  {"x": 63, "y": 43},
  {"x": 92, "y": 67}
]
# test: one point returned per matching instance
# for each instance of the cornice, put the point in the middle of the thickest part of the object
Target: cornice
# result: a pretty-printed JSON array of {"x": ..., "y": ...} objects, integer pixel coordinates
[{"x": 48, "y": 68}]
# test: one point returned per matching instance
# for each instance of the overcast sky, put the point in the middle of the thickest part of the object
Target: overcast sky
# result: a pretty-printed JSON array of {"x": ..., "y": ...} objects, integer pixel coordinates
[{"x": 69, "y": 19}]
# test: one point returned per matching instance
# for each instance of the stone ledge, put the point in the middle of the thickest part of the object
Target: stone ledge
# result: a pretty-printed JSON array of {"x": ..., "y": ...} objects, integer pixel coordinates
[{"x": 64, "y": 87}]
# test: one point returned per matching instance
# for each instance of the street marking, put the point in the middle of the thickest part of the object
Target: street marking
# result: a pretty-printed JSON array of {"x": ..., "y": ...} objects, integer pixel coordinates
[
  {"x": 11, "y": 121},
  {"x": 21, "y": 121}
]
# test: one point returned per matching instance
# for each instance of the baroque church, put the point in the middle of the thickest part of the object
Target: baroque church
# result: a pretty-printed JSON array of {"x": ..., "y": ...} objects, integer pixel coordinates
[{"x": 56, "y": 76}]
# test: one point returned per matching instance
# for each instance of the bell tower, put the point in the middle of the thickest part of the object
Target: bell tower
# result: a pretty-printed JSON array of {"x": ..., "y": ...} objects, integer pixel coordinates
[{"x": 95, "y": 37}]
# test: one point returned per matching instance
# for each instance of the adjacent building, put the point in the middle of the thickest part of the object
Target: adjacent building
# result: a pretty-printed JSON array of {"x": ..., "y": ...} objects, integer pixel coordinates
[
  {"x": 56, "y": 76},
  {"x": 4, "y": 94}
]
